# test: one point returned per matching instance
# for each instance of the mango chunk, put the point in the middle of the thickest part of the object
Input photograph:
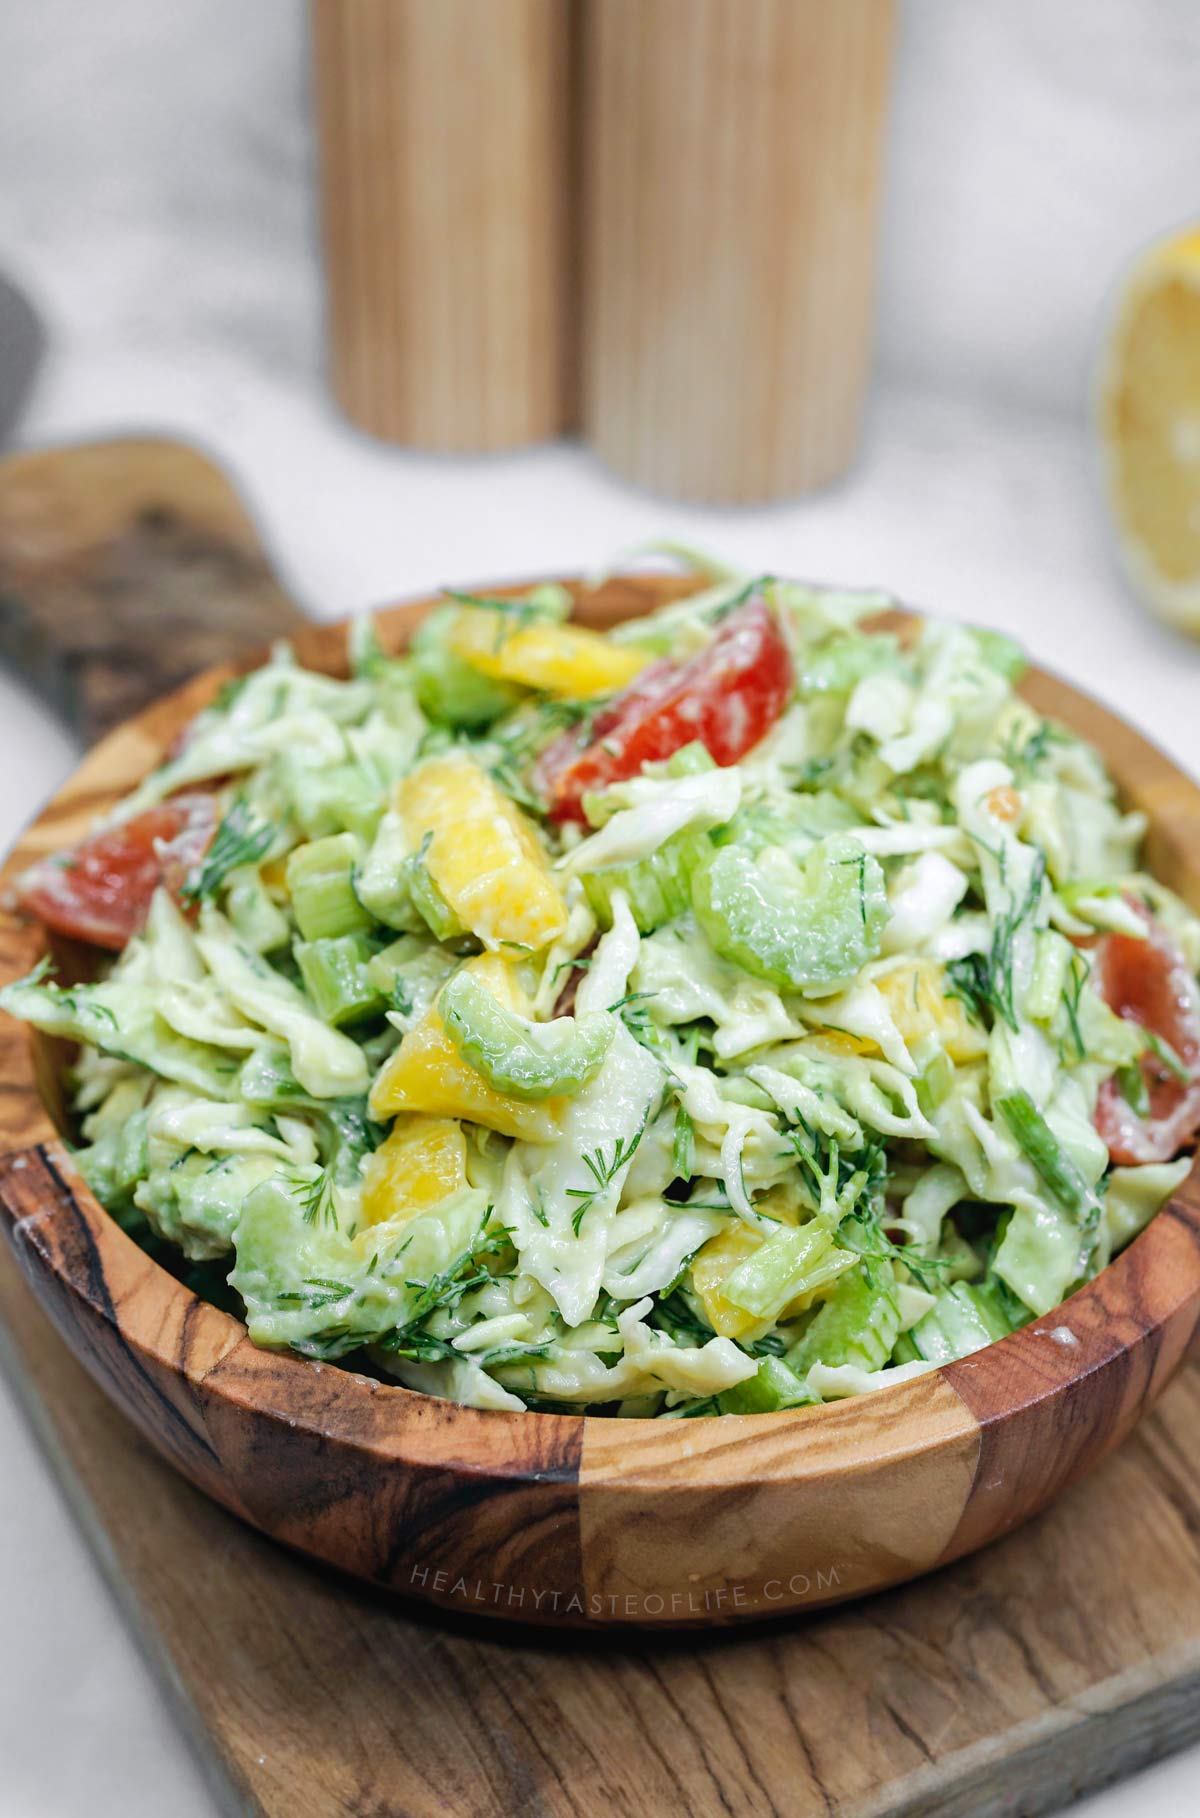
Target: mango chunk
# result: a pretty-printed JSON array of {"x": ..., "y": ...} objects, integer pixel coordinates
[
  {"x": 563, "y": 660},
  {"x": 427, "y": 1074},
  {"x": 482, "y": 853},
  {"x": 714, "y": 1263},
  {"x": 421, "y": 1163},
  {"x": 920, "y": 1007}
]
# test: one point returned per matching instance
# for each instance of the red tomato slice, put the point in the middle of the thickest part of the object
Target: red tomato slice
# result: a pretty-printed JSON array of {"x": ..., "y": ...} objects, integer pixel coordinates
[
  {"x": 100, "y": 890},
  {"x": 727, "y": 697},
  {"x": 1149, "y": 982}
]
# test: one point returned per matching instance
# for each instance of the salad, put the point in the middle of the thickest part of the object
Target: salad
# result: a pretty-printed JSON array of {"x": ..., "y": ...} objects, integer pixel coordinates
[{"x": 749, "y": 1007}]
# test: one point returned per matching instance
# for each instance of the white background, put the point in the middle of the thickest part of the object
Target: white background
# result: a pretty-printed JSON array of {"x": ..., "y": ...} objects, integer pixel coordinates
[{"x": 156, "y": 201}]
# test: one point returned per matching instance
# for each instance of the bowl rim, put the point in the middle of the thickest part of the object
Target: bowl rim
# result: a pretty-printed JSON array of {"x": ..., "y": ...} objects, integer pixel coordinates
[{"x": 1147, "y": 1286}]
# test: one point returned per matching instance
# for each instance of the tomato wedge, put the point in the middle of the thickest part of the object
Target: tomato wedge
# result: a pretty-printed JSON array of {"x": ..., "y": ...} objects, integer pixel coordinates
[
  {"x": 727, "y": 697},
  {"x": 100, "y": 890},
  {"x": 1149, "y": 982}
]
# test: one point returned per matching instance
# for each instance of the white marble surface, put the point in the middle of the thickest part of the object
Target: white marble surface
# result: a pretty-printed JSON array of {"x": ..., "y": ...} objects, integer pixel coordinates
[{"x": 156, "y": 201}]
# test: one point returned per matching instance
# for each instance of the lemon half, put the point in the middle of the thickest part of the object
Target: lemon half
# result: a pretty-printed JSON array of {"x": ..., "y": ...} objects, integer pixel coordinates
[{"x": 1148, "y": 404}]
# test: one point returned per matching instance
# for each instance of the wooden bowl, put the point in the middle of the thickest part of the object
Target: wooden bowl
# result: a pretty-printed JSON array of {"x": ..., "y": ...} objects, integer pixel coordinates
[{"x": 564, "y": 1518}]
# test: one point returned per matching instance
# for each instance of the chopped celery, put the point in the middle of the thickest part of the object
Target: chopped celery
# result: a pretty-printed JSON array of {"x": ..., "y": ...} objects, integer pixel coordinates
[
  {"x": 320, "y": 881},
  {"x": 515, "y": 1056},
  {"x": 340, "y": 799},
  {"x": 799, "y": 927},
  {"x": 859, "y": 1324},
  {"x": 794, "y": 1260},
  {"x": 775, "y": 1385},
  {"x": 429, "y": 902},
  {"x": 658, "y": 888},
  {"x": 1046, "y": 1153},
  {"x": 335, "y": 976},
  {"x": 964, "y": 1318},
  {"x": 904, "y": 1350},
  {"x": 691, "y": 760},
  {"x": 448, "y": 689}
]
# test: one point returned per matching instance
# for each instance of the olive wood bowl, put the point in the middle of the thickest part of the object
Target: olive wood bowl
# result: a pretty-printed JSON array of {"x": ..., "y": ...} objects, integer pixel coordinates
[{"x": 569, "y": 1519}]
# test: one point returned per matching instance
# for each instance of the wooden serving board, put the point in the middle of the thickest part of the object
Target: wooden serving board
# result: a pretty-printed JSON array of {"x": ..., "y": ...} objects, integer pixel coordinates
[{"x": 1057, "y": 1659}]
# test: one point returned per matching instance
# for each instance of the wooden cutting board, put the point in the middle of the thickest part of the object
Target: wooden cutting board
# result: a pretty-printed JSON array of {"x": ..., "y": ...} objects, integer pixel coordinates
[{"x": 1061, "y": 1657}]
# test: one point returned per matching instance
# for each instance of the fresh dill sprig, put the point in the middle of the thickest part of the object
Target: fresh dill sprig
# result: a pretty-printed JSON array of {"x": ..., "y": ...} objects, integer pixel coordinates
[
  {"x": 603, "y": 1170},
  {"x": 683, "y": 1150},
  {"x": 838, "y": 1180},
  {"x": 985, "y": 982},
  {"x": 1024, "y": 759},
  {"x": 636, "y": 1017},
  {"x": 674, "y": 1315},
  {"x": 315, "y": 1197},
  {"x": 1167, "y": 1056},
  {"x": 236, "y": 842},
  {"x": 1071, "y": 995},
  {"x": 400, "y": 998},
  {"x": 863, "y": 1233},
  {"x": 447, "y": 1287}
]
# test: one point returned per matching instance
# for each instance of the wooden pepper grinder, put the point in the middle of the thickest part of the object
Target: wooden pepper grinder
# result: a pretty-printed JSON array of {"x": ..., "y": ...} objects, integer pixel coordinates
[
  {"x": 444, "y": 156},
  {"x": 731, "y": 180}
]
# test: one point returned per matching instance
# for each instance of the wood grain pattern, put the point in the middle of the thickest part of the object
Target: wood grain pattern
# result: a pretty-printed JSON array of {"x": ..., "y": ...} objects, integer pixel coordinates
[
  {"x": 1005, "y": 1684},
  {"x": 731, "y": 184},
  {"x": 445, "y": 171},
  {"x": 568, "y": 1520},
  {"x": 125, "y": 567}
]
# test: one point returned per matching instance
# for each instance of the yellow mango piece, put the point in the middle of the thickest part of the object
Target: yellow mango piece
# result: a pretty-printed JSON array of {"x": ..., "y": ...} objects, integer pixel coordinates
[
  {"x": 427, "y": 1074},
  {"x": 557, "y": 659},
  {"x": 483, "y": 853},
  {"x": 717, "y": 1260},
  {"x": 920, "y": 1007},
  {"x": 422, "y": 1162}
]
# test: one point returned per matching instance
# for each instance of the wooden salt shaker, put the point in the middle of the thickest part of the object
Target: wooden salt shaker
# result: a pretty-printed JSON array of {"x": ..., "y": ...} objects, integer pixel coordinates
[
  {"x": 731, "y": 176},
  {"x": 444, "y": 156}
]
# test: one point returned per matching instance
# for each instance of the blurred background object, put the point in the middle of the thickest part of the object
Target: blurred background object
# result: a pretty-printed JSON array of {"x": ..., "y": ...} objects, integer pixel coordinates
[
  {"x": 1148, "y": 407},
  {"x": 528, "y": 193},
  {"x": 445, "y": 153},
  {"x": 22, "y": 340},
  {"x": 732, "y": 176}
]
